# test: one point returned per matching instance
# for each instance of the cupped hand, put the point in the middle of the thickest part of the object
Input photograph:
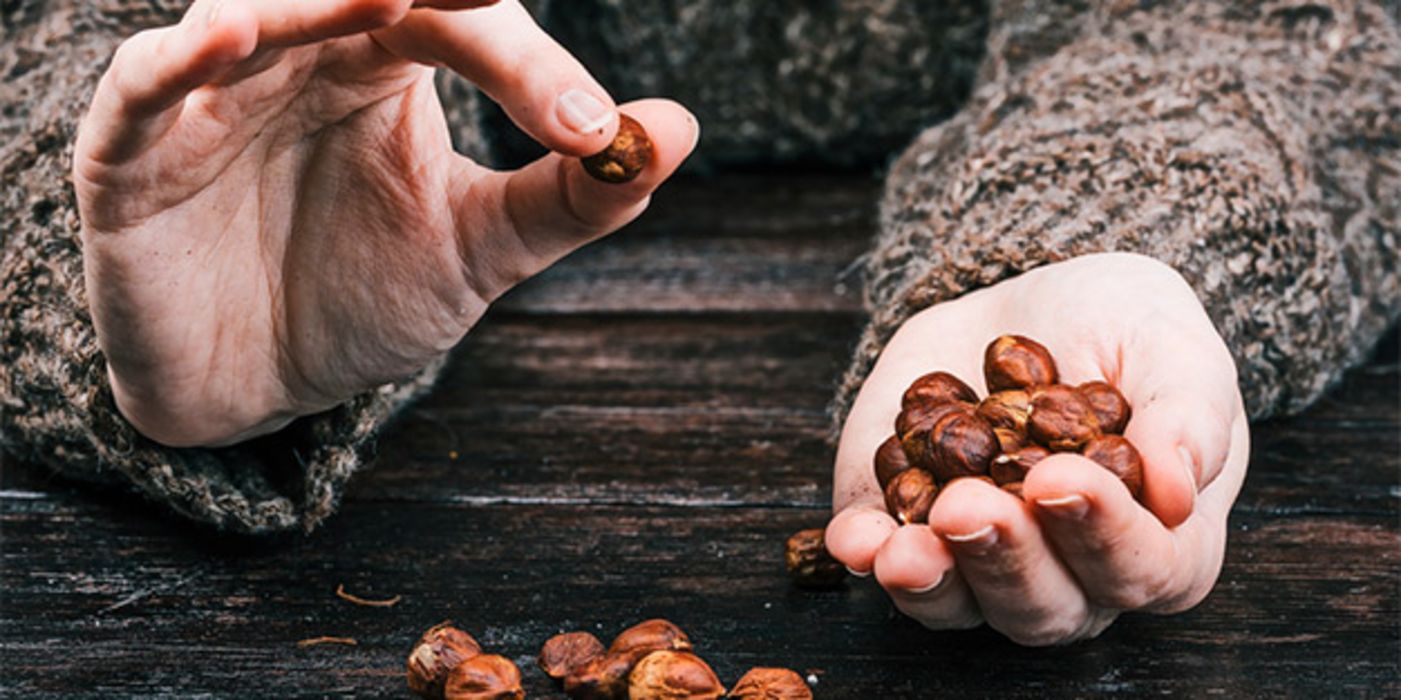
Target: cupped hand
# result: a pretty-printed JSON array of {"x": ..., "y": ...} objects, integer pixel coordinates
[
  {"x": 1062, "y": 564},
  {"x": 273, "y": 216}
]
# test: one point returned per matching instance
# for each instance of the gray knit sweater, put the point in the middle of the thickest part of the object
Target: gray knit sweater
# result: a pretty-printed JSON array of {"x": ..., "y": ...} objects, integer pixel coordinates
[{"x": 1255, "y": 147}]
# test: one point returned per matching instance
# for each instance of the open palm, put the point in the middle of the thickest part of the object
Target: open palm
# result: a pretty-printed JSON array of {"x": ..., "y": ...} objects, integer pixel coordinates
[{"x": 273, "y": 216}]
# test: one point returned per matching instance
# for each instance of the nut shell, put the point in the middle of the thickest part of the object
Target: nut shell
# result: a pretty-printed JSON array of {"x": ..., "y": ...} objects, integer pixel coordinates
[
  {"x": 673, "y": 675},
  {"x": 603, "y": 678},
  {"x": 910, "y": 495},
  {"x": 771, "y": 684},
  {"x": 651, "y": 635},
  {"x": 962, "y": 444},
  {"x": 1061, "y": 419},
  {"x": 924, "y": 415},
  {"x": 810, "y": 565},
  {"x": 1118, "y": 455},
  {"x": 564, "y": 653},
  {"x": 1013, "y": 466},
  {"x": 1006, "y": 409},
  {"x": 937, "y": 387},
  {"x": 625, "y": 158},
  {"x": 1017, "y": 362},
  {"x": 890, "y": 460},
  {"x": 1111, "y": 409},
  {"x": 484, "y": 677},
  {"x": 1009, "y": 440},
  {"x": 437, "y": 652}
]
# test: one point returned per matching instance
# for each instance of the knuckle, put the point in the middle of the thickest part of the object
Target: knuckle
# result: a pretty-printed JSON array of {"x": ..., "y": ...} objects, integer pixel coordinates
[{"x": 377, "y": 13}]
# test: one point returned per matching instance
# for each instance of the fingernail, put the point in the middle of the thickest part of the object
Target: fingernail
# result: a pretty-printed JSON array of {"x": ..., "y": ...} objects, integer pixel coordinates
[
  {"x": 1072, "y": 507},
  {"x": 858, "y": 574},
  {"x": 930, "y": 587},
  {"x": 582, "y": 112},
  {"x": 979, "y": 540},
  {"x": 1189, "y": 465}
]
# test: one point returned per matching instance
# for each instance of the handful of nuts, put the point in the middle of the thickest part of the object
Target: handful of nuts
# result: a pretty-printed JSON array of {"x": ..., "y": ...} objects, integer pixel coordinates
[{"x": 944, "y": 432}]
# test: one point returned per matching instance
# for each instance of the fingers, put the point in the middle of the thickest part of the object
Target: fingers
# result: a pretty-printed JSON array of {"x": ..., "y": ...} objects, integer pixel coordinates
[
  {"x": 1021, "y": 587},
  {"x": 917, "y": 570},
  {"x": 542, "y": 212},
  {"x": 540, "y": 85},
  {"x": 151, "y": 73},
  {"x": 856, "y": 534},
  {"x": 1119, "y": 552}
]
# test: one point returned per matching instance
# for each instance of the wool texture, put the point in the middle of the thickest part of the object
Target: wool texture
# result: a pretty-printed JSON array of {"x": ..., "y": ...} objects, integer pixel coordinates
[{"x": 1252, "y": 146}]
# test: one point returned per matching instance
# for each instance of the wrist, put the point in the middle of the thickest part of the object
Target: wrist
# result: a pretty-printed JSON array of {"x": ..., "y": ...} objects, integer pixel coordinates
[{"x": 171, "y": 422}]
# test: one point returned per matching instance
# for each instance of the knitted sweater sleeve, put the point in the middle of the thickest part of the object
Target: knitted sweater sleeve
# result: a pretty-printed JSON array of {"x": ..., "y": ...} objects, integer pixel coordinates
[
  {"x": 56, "y": 406},
  {"x": 1254, "y": 147}
]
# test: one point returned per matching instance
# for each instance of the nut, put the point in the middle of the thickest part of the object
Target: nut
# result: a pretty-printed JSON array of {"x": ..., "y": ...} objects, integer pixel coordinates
[
  {"x": 603, "y": 678},
  {"x": 771, "y": 684},
  {"x": 962, "y": 444},
  {"x": 626, "y": 157},
  {"x": 1010, "y": 467},
  {"x": 1061, "y": 418},
  {"x": 1111, "y": 408},
  {"x": 668, "y": 675},
  {"x": 1006, "y": 409},
  {"x": 890, "y": 460},
  {"x": 484, "y": 677},
  {"x": 917, "y": 442},
  {"x": 925, "y": 413},
  {"x": 937, "y": 387},
  {"x": 809, "y": 563},
  {"x": 1118, "y": 455},
  {"x": 910, "y": 495},
  {"x": 564, "y": 653},
  {"x": 1017, "y": 362},
  {"x": 651, "y": 635},
  {"x": 437, "y": 652},
  {"x": 1014, "y": 488},
  {"x": 1009, "y": 440}
]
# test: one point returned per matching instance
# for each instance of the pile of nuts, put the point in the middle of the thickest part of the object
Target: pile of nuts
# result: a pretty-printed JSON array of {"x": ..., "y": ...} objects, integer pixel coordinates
[
  {"x": 448, "y": 663},
  {"x": 944, "y": 432},
  {"x": 652, "y": 660}
]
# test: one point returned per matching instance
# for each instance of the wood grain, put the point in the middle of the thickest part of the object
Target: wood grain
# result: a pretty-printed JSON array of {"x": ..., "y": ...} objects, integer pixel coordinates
[{"x": 634, "y": 434}]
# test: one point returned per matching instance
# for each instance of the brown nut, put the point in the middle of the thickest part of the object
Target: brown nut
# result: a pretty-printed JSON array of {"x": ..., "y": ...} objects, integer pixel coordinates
[
  {"x": 770, "y": 684},
  {"x": 1014, "y": 488},
  {"x": 810, "y": 565},
  {"x": 1118, "y": 455},
  {"x": 1017, "y": 362},
  {"x": 924, "y": 415},
  {"x": 1009, "y": 440},
  {"x": 564, "y": 653},
  {"x": 1111, "y": 409},
  {"x": 437, "y": 652},
  {"x": 890, "y": 460},
  {"x": 918, "y": 442},
  {"x": 910, "y": 495},
  {"x": 1006, "y": 409},
  {"x": 650, "y": 635},
  {"x": 484, "y": 677},
  {"x": 603, "y": 678},
  {"x": 937, "y": 387},
  {"x": 626, "y": 157},
  {"x": 962, "y": 444},
  {"x": 1013, "y": 466},
  {"x": 673, "y": 675},
  {"x": 1061, "y": 419}
]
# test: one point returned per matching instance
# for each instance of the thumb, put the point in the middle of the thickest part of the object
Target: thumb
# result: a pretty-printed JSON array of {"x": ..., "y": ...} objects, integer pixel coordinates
[{"x": 511, "y": 225}]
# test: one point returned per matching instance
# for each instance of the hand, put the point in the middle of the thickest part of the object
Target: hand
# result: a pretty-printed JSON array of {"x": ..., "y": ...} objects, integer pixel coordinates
[
  {"x": 273, "y": 216},
  {"x": 1061, "y": 565}
]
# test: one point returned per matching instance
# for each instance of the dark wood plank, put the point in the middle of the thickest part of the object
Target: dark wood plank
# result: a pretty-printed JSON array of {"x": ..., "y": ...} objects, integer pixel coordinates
[
  {"x": 1306, "y": 606},
  {"x": 736, "y": 243}
]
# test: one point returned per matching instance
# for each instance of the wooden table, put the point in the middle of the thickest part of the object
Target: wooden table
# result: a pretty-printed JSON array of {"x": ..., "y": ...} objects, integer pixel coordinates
[{"x": 634, "y": 434}]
